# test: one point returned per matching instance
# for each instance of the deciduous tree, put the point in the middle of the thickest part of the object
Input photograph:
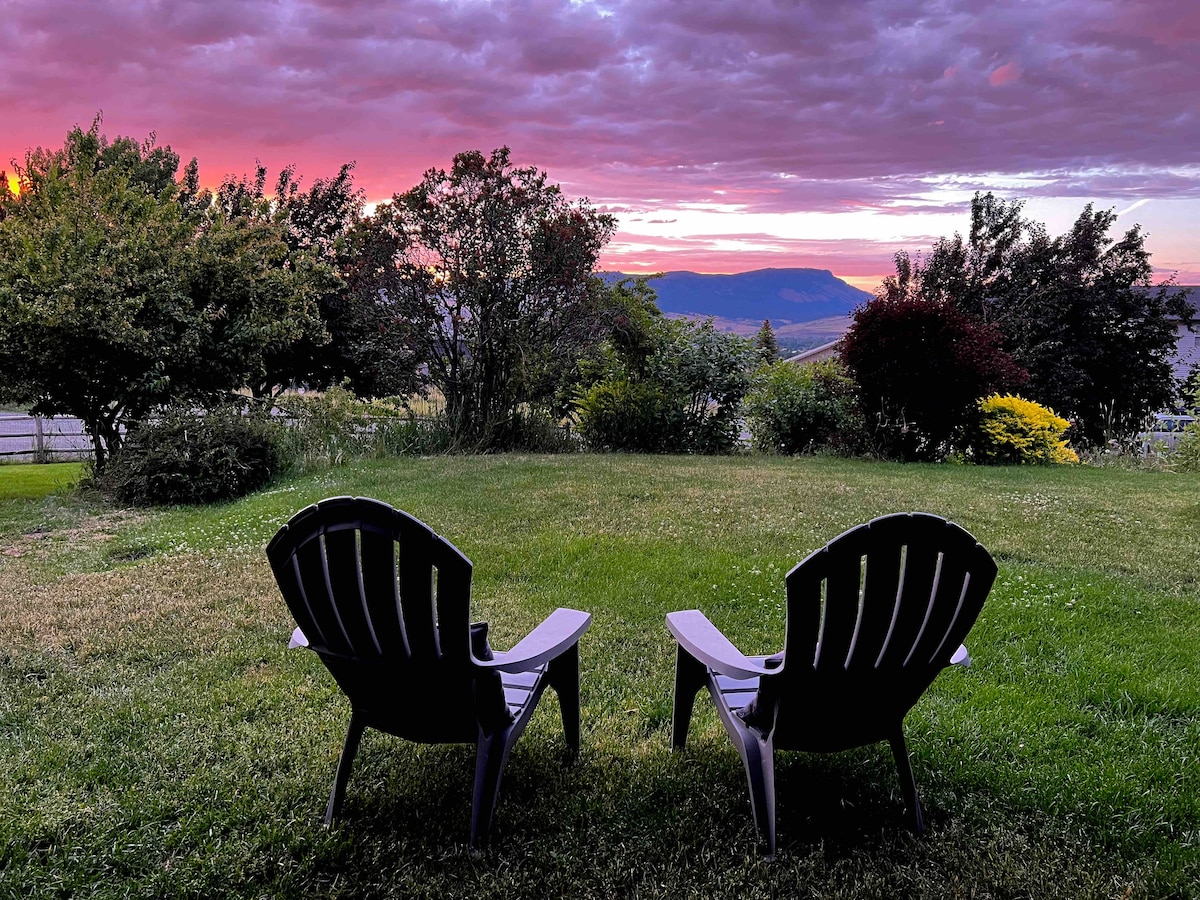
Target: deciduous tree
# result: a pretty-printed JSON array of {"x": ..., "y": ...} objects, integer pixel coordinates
[
  {"x": 367, "y": 339},
  {"x": 120, "y": 290},
  {"x": 920, "y": 367},
  {"x": 502, "y": 262},
  {"x": 1079, "y": 311}
]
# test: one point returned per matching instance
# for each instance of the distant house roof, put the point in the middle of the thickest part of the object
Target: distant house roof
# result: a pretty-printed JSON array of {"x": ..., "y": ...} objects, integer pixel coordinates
[
  {"x": 815, "y": 354},
  {"x": 1187, "y": 341}
]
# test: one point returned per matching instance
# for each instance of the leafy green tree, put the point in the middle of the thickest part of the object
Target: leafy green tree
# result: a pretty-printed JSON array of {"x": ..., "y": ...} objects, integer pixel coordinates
[
  {"x": 636, "y": 326},
  {"x": 366, "y": 340},
  {"x": 120, "y": 291},
  {"x": 259, "y": 299},
  {"x": 90, "y": 298},
  {"x": 1078, "y": 312},
  {"x": 630, "y": 327},
  {"x": 500, "y": 264},
  {"x": 381, "y": 323}
]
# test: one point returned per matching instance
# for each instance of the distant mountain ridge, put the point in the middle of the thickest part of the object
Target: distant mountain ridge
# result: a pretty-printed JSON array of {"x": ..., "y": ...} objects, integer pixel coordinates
[{"x": 803, "y": 304}]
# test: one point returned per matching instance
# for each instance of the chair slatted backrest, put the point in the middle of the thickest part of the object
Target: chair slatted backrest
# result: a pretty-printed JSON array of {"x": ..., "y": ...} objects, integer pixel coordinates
[
  {"x": 381, "y": 598},
  {"x": 872, "y": 618}
]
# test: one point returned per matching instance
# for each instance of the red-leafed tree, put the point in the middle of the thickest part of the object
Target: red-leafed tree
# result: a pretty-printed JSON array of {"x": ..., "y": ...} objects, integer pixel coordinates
[{"x": 920, "y": 367}]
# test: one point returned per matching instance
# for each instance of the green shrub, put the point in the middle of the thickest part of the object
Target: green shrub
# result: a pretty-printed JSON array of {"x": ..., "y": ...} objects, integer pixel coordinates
[
  {"x": 1187, "y": 452},
  {"x": 1013, "y": 430},
  {"x": 705, "y": 373},
  {"x": 636, "y": 417},
  {"x": 190, "y": 456},
  {"x": 683, "y": 395},
  {"x": 802, "y": 409}
]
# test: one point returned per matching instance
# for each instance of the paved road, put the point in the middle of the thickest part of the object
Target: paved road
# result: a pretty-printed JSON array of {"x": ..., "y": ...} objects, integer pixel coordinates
[{"x": 62, "y": 437}]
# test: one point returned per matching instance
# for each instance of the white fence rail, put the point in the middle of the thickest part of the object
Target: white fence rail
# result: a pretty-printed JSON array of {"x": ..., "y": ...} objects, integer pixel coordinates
[{"x": 42, "y": 439}]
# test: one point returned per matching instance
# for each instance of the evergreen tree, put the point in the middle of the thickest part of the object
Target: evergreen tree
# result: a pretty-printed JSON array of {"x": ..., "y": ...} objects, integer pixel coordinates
[{"x": 766, "y": 344}]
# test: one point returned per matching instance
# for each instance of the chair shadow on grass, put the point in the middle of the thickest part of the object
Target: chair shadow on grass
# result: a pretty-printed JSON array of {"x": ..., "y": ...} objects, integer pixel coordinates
[
  {"x": 842, "y": 803},
  {"x": 418, "y": 796}
]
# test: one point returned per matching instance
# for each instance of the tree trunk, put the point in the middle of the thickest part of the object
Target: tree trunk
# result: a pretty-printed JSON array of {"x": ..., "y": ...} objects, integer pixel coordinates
[{"x": 93, "y": 429}]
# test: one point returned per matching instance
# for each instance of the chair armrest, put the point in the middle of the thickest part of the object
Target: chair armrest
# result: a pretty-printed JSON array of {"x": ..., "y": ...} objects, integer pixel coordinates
[
  {"x": 558, "y": 632},
  {"x": 704, "y": 641}
]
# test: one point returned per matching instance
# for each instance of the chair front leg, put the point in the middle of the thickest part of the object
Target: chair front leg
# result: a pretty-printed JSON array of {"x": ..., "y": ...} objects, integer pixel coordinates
[
  {"x": 690, "y": 675},
  {"x": 758, "y": 757},
  {"x": 563, "y": 676}
]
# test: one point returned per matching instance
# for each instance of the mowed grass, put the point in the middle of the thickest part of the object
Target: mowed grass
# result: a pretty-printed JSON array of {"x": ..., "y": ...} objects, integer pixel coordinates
[
  {"x": 19, "y": 481},
  {"x": 158, "y": 740}
]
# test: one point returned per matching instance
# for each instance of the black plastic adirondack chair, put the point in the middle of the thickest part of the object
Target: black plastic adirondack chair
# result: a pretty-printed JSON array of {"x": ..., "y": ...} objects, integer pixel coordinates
[
  {"x": 872, "y": 618},
  {"x": 385, "y": 603}
]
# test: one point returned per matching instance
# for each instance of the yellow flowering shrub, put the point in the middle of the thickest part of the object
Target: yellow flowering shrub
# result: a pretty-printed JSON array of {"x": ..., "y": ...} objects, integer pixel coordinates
[{"x": 1014, "y": 430}]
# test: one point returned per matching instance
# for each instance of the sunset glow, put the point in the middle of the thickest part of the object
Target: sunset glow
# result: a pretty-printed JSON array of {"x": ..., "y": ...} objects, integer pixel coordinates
[{"x": 724, "y": 137}]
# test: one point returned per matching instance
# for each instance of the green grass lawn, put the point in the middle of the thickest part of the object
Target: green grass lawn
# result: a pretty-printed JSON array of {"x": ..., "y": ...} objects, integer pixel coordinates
[
  {"x": 20, "y": 481},
  {"x": 158, "y": 740}
]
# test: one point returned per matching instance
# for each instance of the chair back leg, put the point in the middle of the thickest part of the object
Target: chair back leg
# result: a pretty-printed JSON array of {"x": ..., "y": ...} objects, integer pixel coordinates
[
  {"x": 491, "y": 754},
  {"x": 345, "y": 763},
  {"x": 758, "y": 756},
  {"x": 908, "y": 784}
]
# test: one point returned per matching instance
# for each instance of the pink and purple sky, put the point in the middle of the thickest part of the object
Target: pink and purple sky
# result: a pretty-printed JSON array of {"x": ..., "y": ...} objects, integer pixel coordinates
[{"x": 726, "y": 135}]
